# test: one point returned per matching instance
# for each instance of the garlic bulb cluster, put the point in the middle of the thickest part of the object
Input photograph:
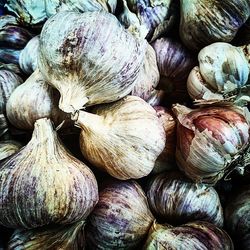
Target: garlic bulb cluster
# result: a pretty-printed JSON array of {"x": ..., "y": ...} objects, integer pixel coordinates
[
  {"x": 123, "y": 138},
  {"x": 89, "y": 58},
  {"x": 237, "y": 214},
  {"x": 8, "y": 82},
  {"x": 148, "y": 77},
  {"x": 149, "y": 19},
  {"x": 44, "y": 184},
  {"x": 28, "y": 56},
  {"x": 66, "y": 237},
  {"x": 193, "y": 235},
  {"x": 166, "y": 160},
  {"x": 207, "y": 21},
  {"x": 121, "y": 218},
  {"x": 23, "y": 109},
  {"x": 222, "y": 72},
  {"x": 8, "y": 148},
  {"x": 176, "y": 200},
  {"x": 210, "y": 140}
]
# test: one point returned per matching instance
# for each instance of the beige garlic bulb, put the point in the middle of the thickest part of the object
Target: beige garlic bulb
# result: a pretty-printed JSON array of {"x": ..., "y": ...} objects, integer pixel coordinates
[
  {"x": 28, "y": 56},
  {"x": 44, "y": 184},
  {"x": 32, "y": 100},
  {"x": 222, "y": 72},
  {"x": 8, "y": 148},
  {"x": 66, "y": 237},
  {"x": 90, "y": 58},
  {"x": 149, "y": 76},
  {"x": 123, "y": 138}
]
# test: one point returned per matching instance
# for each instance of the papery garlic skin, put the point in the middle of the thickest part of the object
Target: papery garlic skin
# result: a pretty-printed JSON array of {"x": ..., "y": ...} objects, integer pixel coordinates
[
  {"x": 83, "y": 75},
  {"x": 44, "y": 184},
  {"x": 123, "y": 138},
  {"x": 209, "y": 139},
  {"x": 175, "y": 199},
  {"x": 28, "y": 56},
  {"x": 204, "y": 21},
  {"x": 8, "y": 148},
  {"x": 66, "y": 237},
  {"x": 32, "y": 100},
  {"x": 194, "y": 235},
  {"x": 121, "y": 218}
]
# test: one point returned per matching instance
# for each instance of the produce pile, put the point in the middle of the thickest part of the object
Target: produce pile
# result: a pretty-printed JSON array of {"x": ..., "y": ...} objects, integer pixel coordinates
[{"x": 124, "y": 124}]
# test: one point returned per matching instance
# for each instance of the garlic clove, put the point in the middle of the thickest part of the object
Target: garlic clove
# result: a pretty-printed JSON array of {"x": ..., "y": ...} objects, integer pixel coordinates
[
  {"x": 123, "y": 138},
  {"x": 32, "y": 100},
  {"x": 60, "y": 188},
  {"x": 86, "y": 76},
  {"x": 121, "y": 218},
  {"x": 193, "y": 235},
  {"x": 28, "y": 56},
  {"x": 175, "y": 199},
  {"x": 8, "y": 148},
  {"x": 204, "y": 22},
  {"x": 67, "y": 237}
]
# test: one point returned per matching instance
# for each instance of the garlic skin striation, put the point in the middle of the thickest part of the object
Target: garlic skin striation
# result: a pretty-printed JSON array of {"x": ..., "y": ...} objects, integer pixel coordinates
[
  {"x": 193, "y": 235},
  {"x": 123, "y": 138},
  {"x": 66, "y": 237},
  {"x": 32, "y": 100},
  {"x": 211, "y": 140},
  {"x": 175, "y": 199},
  {"x": 28, "y": 56},
  {"x": 85, "y": 76},
  {"x": 121, "y": 218},
  {"x": 204, "y": 21},
  {"x": 222, "y": 72},
  {"x": 8, "y": 148},
  {"x": 44, "y": 184}
]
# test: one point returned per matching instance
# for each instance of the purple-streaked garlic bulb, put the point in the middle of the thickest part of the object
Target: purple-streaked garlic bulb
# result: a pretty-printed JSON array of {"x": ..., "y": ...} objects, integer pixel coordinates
[
  {"x": 193, "y": 235},
  {"x": 211, "y": 141},
  {"x": 175, "y": 199},
  {"x": 123, "y": 138},
  {"x": 121, "y": 218},
  {"x": 44, "y": 184},
  {"x": 90, "y": 58}
]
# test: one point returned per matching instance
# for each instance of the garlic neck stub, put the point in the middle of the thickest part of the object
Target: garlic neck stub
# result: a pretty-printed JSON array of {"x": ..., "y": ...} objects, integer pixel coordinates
[
  {"x": 207, "y": 21},
  {"x": 67, "y": 237},
  {"x": 90, "y": 58},
  {"x": 44, "y": 184},
  {"x": 123, "y": 138},
  {"x": 211, "y": 141},
  {"x": 32, "y": 100},
  {"x": 193, "y": 235}
]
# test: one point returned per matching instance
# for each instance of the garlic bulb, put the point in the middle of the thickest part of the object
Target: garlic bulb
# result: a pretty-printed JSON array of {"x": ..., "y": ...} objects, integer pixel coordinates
[
  {"x": 166, "y": 160},
  {"x": 223, "y": 70},
  {"x": 149, "y": 19},
  {"x": 83, "y": 75},
  {"x": 123, "y": 138},
  {"x": 121, "y": 218},
  {"x": 28, "y": 56},
  {"x": 194, "y": 235},
  {"x": 148, "y": 76},
  {"x": 32, "y": 100},
  {"x": 175, "y": 199},
  {"x": 8, "y": 148},
  {"x": 211, "y": 140},
  {"x": 60, "y": 188},
  {"x": 3, "y": 125},
  {"x": 174, "y": 61},
  {"x": 8, "y": 82},
  {"x": 28, "y": 12},
  {"x": 11, "y": 67},
  {"x": 207, "y": 21},
  {"x": 66, "y": 237},
  {"x": 9, "y": 56},
  {"x": 55, "y": 6},
  {"x": 237, "y": 214}
]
